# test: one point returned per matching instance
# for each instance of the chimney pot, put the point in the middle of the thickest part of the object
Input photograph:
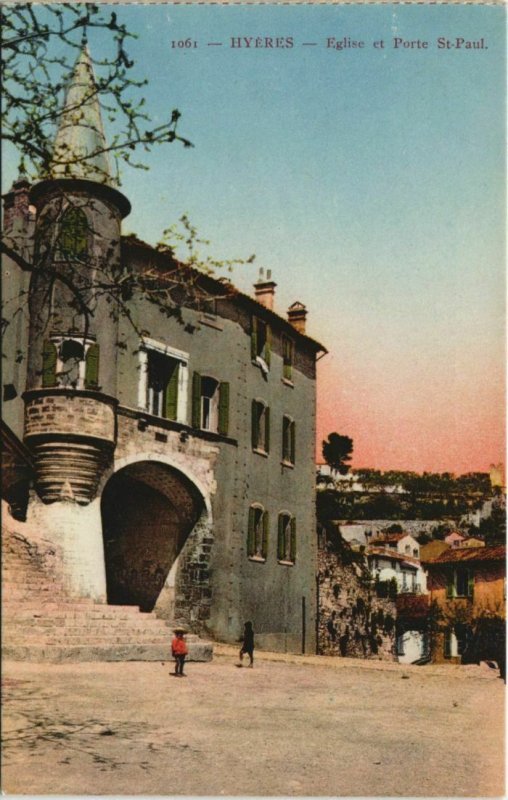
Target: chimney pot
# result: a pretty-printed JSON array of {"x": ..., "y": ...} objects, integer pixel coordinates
[
  {"x": 264, "y": 290},
  {"x": 297, "y": 316}
]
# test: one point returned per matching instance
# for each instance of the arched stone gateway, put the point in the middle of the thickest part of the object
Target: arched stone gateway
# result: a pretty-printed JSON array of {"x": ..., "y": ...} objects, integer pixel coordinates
[{"x": 152, "y": 515}]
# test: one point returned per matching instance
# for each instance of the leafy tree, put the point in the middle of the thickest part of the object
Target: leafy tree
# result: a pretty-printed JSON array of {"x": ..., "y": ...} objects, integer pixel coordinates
[
  {"x": 337, "y": 452},
  {"x": 41, "y": 46}
]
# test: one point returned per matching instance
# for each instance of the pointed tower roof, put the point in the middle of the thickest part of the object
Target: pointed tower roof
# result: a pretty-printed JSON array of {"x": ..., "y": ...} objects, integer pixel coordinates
[{"x": 80, "y": 142}]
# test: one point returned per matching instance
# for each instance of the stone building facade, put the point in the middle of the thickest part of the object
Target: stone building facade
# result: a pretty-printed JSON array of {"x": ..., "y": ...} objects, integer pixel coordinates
[
  {"x": 172, "y": 455},
  {"x": 353, "y": 621}
]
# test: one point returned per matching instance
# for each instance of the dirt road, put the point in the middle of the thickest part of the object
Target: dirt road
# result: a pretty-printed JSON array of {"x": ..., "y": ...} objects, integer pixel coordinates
[{"x": 295, "y": 727}]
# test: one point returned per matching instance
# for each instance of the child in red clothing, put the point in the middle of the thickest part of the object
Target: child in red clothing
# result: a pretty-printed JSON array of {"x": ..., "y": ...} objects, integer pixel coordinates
[{"x": 179, "y": 651}]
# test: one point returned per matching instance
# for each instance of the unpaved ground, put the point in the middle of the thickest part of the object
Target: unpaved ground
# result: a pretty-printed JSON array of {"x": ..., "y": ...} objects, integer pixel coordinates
[{"x": 300, "y": 726}]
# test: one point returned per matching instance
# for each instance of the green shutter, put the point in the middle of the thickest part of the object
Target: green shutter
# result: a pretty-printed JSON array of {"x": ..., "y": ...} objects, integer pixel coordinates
[
  {"x": 280, "y": 538},
  {"x": 171, "y": 408},
  {"x": 92, "y": 367},
  {"x": 267, "y": 429},
  {"x": 196, "y": 400},
  {"x": 264, "y": 551},
  {"x": 48, "y": 364},
  {"x": 470, "y": 583},
  {"x": 268, "y": 346},
  {"x": 292, "y": 433},
  {"x": 287, "y": 357},
  {"x": 447, "y": 644},
  {"x": 292, "y": 544},
  {"x": 254, "y": 425},
  {"x": 254, "y": 338},
  {"x": 450, "y": 585},
  {"x": 224, "y": 408},
  {"x": 251, "y": 542}
]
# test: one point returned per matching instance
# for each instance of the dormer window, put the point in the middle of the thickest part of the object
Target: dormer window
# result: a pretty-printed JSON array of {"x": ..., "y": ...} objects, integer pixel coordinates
[
  {"x": 287, "y": 359},
  {"x": 261, "y": 338}
]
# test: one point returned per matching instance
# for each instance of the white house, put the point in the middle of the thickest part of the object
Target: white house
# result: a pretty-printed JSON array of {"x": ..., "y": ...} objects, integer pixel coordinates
[
  {"x": 401, "y": 542},
  {"x": 385, "y": 564}
]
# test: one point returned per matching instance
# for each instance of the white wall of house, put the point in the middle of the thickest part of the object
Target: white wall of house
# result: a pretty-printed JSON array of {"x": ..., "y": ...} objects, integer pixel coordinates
[
  {"x": 411, "y": 646},
  {"x": 407, "y": 579},
  {"x": 408, "y": 546}
]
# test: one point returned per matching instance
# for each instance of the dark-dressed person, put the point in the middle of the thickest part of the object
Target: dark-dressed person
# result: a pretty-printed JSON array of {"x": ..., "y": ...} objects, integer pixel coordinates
[
  {"x": 179, "y": 651},
  {"x": 247, "y": 644}
]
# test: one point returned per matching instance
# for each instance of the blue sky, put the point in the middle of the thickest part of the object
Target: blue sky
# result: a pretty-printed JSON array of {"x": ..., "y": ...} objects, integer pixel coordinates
[{"x": 370, "y": 181}]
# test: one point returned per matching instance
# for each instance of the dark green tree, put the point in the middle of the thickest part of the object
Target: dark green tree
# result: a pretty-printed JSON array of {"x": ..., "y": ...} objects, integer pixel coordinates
[{"x": 337, "y": 452}]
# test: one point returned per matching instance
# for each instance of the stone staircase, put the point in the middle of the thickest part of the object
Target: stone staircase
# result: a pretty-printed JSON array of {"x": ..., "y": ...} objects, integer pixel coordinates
[{"x": 42, "y": 622}]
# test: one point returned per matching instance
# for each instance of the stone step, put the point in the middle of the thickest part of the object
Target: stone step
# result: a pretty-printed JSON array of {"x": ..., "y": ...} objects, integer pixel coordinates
[
  {"x": 47, "y": 606},
  {"x": 199, "y": 651},
  {"x": 22, "y": 613},
  {"x": 109, "y": 640}
]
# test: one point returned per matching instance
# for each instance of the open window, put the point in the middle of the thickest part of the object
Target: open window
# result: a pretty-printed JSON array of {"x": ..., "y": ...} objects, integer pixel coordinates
[
  {"x": 163, "y": 376},
  {"x": 210, "y": 404},
  {"x": 460, "y": 582},
  {"x": 286, "y": 539},
  {"x": 261, "y": 339},
  {"x": 71, "y": 361},
  {"x": 260, "y": 427},
  {"x": 257, "y": 539}
]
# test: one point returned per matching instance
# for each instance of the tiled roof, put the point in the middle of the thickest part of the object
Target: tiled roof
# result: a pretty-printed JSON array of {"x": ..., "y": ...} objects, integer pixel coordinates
[
  {"x": 492, "y": 553},
  {"x": 390, "y": 537},
  {"x": 381, "y": 552},
  {"x": 223, "y": 284}
]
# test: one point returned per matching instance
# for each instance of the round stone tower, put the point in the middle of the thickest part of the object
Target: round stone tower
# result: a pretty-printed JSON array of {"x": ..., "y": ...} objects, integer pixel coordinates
[{"x": 70, "y": 397}]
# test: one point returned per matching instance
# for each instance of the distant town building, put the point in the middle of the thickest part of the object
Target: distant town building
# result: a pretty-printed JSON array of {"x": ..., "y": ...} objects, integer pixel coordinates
[{"x": 467, "y": 588}]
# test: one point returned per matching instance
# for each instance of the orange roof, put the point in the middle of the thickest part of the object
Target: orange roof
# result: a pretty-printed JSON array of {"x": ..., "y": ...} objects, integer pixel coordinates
[
  {"x": 390, "y": 537},
  {"x": 393, "y": 555},
  {"x": 492, "y": 553}
]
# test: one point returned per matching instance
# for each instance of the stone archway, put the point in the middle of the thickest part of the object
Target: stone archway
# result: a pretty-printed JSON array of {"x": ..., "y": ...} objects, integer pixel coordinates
[{"x": 149, "y": 510}]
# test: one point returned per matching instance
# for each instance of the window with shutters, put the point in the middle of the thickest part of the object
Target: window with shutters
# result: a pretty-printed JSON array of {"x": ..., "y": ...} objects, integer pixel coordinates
[
  {"x": 210, "y": 404},
  {"x": 163, "y": 377},
  {"x": 286, "y": 538},
  {"x": 71, "y": 361},
  {"x": 287, "y": 359},
  {"x": 288, "y": 440},
  {"x": 162, "y": 385},
  {"x": 257, "y": 537},
  {"x": 460, "y": 583},
  {"x": 260, "y": 427},
  {"x": 74, "y": 232},
  {"x": 261, "y": 344}
]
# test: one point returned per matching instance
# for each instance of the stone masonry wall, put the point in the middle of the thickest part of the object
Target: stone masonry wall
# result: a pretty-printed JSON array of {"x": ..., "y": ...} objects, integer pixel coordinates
[
  {"x": 352, "y": 620},
  {"x": 56, "y": 411}
]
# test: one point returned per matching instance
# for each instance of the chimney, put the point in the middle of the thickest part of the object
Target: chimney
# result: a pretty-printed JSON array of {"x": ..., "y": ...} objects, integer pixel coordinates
[
  {"x": 265, "y": 289},
  {"x": 297, "y": 315}
]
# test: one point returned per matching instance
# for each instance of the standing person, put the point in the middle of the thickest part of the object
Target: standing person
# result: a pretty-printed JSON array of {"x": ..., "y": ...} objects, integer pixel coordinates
[
  {"x": 179, "y": 651},
  {"x": 247, "y": 644}
]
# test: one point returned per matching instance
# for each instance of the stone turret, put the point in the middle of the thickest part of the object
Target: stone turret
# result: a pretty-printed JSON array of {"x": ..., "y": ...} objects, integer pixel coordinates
[{"x": 71, "y": 382}]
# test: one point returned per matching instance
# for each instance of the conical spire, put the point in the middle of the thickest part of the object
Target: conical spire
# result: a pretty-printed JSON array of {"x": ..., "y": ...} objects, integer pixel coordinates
[{"x": 80, "y": 144}]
